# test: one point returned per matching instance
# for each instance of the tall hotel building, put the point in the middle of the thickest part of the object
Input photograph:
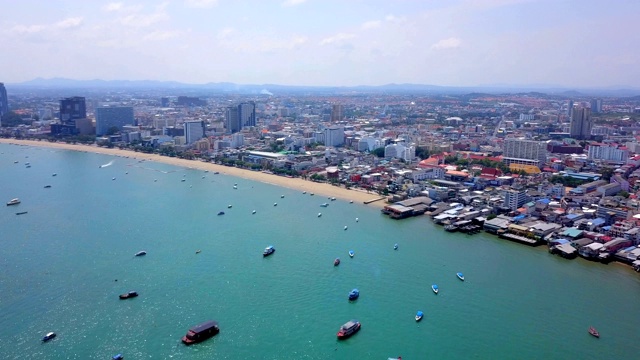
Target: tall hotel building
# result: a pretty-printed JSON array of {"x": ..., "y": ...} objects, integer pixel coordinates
[
  {"x": 4, "y": 103},
  {"x": 526, "y": 152},
  {"x": 581, "y": 123}
]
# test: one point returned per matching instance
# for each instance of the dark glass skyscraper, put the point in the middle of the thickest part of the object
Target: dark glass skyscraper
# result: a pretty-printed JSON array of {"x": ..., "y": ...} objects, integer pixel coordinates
[
  {"x": 71, "y": 109},
  {"x": 4, "y": 103}
]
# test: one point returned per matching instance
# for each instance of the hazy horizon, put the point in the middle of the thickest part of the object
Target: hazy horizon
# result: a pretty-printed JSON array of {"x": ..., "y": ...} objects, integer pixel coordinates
[{"x": 462, "y": 43}]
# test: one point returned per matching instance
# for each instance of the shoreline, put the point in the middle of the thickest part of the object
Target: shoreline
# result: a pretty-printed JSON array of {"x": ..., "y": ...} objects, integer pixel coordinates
[{"x": 322, "y": 189}]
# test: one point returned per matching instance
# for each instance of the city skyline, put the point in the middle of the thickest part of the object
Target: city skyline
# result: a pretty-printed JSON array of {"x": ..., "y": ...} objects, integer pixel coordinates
[{"x": 328, "y": 43}]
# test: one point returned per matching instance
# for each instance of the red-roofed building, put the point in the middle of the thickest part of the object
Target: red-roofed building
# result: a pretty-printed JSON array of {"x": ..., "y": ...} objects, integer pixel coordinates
[{"x": 490, "y": 173}]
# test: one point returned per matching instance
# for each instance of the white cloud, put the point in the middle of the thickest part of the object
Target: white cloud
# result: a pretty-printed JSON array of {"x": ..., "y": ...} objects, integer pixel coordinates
[
  {"x": 30, "y": 29},
  {"x": 161, "y": 35},
  {"x": 371, "y": 24},
  {"x": 69, "y": 23},
  {"x": 393, "y": 18},
  {"x": 336, "y": 38},
  {"x": 449, "y": 43},
  {"x": 225, "y": 33},
  {"x": 293, "y": 2},
  {"x": 138, "y": 19},
  {"x": 114, "y": 6},
  {"x": 201, "y": 3}
]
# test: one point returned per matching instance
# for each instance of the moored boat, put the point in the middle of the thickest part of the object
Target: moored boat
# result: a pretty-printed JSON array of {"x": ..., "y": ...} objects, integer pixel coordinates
[
  {"x": 354, "y": 294},
  {"x": 594, "y": 332},
  {"x": 15, "y": 201},
  {"x": 201, "y": 332},
  {"x": 128, "y": 295},
  {"x": 460, "y": 276},
  {"x": 336, "y": 262},
  {"x": 419, "y": 315},
  {"x": 117, "y": 357},
  {"x": 351, "y": 253},
  {"x": 348, "y": 329},
  {"x": 435, "y": 289},
  {"x": 268, "y": 251},
  {"x": 395, "y": 246},
  {"x": 141, "y": 253},
  {"x": 221, "y": 213},
  {"x": 48, "y": 336},
  {"x": 324, "y": 205}
]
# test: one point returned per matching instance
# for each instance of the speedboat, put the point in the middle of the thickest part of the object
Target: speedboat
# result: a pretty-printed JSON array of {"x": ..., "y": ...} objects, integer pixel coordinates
[
  {"x": 275, "y": 204},
  {"x": 324, "y": 205},
  {"x": 336, "y": 262},
  {"x": 354, "y": 294},
  {"x": 235, "y": 186},
  {"x": 15, "y": 201},
  {"x": 268, "y": 251},
  {"x": 253, "y": 212},
  {"x": 141, "y": 253},
  {"x": 117, "y": 357},
  {"x": 434, "y": 287},
  {"x": 345, "y": 227},
  {"x": 201, "y": 332},
  {"x": 419, "y": 315},
  {"x": 357, "y": 219},
  {"x": 198, "y": 251},
  {"x": 460, "y": 276},
  {"x": 47, "y": 186},
  {"x": 319, "y": 214},
  {"x": 129, "y": 295},
  {"x": 348, "y": 329},
  {"x": 221, "y": 213},
  {"x": 594, "y": 332},
  {"x": 48, "y": 336},
  {"x": 229, "y": 206},
  {"x": 395, "y": 246},
  {"x": 351, "y": 253}
]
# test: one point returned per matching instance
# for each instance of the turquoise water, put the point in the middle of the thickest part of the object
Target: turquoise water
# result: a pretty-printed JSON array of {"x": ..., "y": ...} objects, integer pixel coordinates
[{"x": 60, "y": 261}]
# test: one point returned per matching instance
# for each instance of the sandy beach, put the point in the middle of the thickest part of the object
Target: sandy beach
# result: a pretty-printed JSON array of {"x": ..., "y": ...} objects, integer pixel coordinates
[{"x": 319, "y": 189}]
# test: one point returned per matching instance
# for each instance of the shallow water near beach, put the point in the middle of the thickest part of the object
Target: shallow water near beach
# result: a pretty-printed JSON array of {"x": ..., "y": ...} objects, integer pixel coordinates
[{"x": 60, "y": 261}]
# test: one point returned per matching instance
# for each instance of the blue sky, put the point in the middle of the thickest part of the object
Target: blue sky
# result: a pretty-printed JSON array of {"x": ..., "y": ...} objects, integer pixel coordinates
[{"x": 581, "y": 43}]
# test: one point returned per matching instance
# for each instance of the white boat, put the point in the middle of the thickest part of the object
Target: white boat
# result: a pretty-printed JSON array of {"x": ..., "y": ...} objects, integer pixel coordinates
[
  {"x": 324, "y": 205},
  {"x": 141, "y": 253},
  {"x": 281, "y": 196},
  {"x": 395, "y": 247},
  {"x": 419, "y": 315},
  {"x": 435, "y": 289},
  {"x": 319, "y": 214},
  {"x": 345, "y": 227},
  {"x": 460, "y": 276},
  {"x": 253, "y": 212},
  {"x": 351, "y": 253},
  {"x": 275, "y": 204},
  {"x": 13, "y": 202}
]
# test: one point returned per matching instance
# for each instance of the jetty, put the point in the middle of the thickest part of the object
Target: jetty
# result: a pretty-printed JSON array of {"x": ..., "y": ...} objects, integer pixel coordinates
[
  {"x": 519, "y": 238},
  {"x": 373, "y": 200}
]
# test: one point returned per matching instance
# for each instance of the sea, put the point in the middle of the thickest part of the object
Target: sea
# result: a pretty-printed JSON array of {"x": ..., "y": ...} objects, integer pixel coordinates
[{"x": 64, "y": 263}]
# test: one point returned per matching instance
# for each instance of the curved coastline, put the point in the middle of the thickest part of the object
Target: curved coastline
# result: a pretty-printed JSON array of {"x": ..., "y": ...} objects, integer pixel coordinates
[{"x": 322, "y": 189}]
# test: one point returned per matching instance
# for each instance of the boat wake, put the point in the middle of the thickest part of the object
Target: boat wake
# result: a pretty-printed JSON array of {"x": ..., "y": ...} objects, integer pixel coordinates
[{"x": 107, "y": 164}]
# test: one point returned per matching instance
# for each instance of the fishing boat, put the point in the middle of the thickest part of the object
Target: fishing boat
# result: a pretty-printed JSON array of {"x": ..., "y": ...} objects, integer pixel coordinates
[
  {"x": 460, "y": 276},
  {"x": 348, "y": 329},
  {"x": 435, "y": 289},
  {"x": 141, "y": 253},
  {"x": 128, "y": 295},
  {"x": 351, "y": 253},
  {"x": 15, "y": 201},
  {"x": 201, "y": 332},
  {"x": 419, "y": 315},
  {"x": 354, "y": 294},
  {"x": 268, "y": 251},
  {"x": 395, "y": 246},
  {"x": 336, "y": 262},
  {"x": 324, "y": 205},
  {"x": 117, "y": 357},
  {"x": 21, "y": 213},
  {"x": 594, "y": 332},
  {"x": 48, "y": 336}
]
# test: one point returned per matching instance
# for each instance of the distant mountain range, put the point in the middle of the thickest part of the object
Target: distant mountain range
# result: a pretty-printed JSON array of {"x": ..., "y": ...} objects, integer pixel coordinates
[{"x": 268, "y": 89}]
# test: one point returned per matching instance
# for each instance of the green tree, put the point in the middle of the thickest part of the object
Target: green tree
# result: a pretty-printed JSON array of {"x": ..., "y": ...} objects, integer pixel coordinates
[
  {"x": 11, "y": 119},
  {"x": 623, "y": 193},
  {"x": 422, "y": 152},
  {"x": 379, "y": 152},
  {"x": 112, "y": 130}
]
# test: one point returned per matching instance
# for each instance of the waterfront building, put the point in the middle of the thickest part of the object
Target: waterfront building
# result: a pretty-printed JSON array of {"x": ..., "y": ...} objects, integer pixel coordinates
[
  {"x": 514, "y": 199},
  {"x": 193, "y": 131},
  {"x": 4, "y": 102},
  {"x": 337, "y": 112},
  {"x": 72, "y": 109},
  {"x": 581, "y": 123},
  {"x": 108, "y": 116},
  {"x": 231, "y": 120},
  {"x": 247, "y": 114}
]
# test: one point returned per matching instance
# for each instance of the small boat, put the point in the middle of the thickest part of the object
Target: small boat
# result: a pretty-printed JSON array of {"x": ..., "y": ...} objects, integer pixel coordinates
[
  {"x": 21, "y": 213},
  {"x": 229, "y": 206},
  {"x": 345, "y": 227},
  {"x": 183, "y": 180},
  {"x": 419, "y": 315},
  {"x": 216, "y": 173},
  {"x": 312, "y": 194},
  {"x": 15, "y": 201},
  {"x": 253, "y": 212},
  {"x": 357, "y": 219},
  {"x": 395, "y": 247},
  {"x": 354, "y": 294},
  {"x": 594, "y": 332},
  {"x": 351, "y": 253},
  {"x": 275, "y": 204},
  {"x": 47, "y": 186},
  {"x": 28, "y": 166},
  {"x": 281, "y": 196},
  {"x": 304, "y": 192},
  {"x": 333, "y": 199},
  {"x": 115, "y": 178},
  {"x": 324, "y": 205},
  {"x": 336, "y": 262},
  {"x": 141, "y": 253},
  {"x": 15, "y": 162},
  {"x": 460, "y": 276},
  {"x": 117, "y": 357},
  {"x": 319, "y": 214},
  {"x": 350, "y": 201},
  {"x": 198, "y": 251},
  {"x": 268, "y": 251},
  {"x": 221, "y": 213},
  {"x": 235, "y": 187},
  {"x": 203, "y": 177},
  {"x": 348, "y": 329},
  {"x": 54, "y": 174},
  {"x": 129, "y": 295},
  {"x": 201, "y": 332},
  {"x": 435, "y": 289},
  {"x": 48, "y": 336}
]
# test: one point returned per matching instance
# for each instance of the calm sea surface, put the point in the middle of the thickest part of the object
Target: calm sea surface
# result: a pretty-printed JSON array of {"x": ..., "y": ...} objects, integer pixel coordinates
[{"x": 60, "y": 261}]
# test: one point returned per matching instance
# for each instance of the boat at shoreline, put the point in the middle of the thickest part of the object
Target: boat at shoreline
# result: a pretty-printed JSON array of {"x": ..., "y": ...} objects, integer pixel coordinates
[
  {"x": 268, "y": 251},
  {"x": 201, "y": 332},
  {"x": 128, "y": 295},
  {"x": 419, "y": 316},
  {"x": 594, "y": 332},
  {"x": 460, "y": 276},
  {"x": 15, "y": 201},
  {"x": 435, "y": 289},
  {"x": 348, "y": 329}
]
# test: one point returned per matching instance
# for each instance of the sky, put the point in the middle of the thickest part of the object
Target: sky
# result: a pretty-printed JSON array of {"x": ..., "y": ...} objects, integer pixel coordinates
[{"x": 567, "y": 43}]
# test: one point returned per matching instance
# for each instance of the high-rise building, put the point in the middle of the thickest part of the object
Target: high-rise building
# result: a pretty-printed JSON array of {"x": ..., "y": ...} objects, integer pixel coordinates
[
  {"x": 337, "y": 112},
  {"x": 513, "y": 199},
  {"x": 113, "y": 116},
  {"x": 609, "y": 152},
  {"x": 164, "y": 101},
  {"x": 334, "y": 136},
  {"x": 71, "y": 109},
  {"x": 193, "y": 131},
  {"x": 247, "y": 114},
  {"x": 4, "y": 102},
  {"x": 596, "y": 106},
  {"x": 570, "y": 108},
  {"x": 581, "y": 123},
  {"x": 525, "y": 149},
  {"x": 232, "y": 120}
]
